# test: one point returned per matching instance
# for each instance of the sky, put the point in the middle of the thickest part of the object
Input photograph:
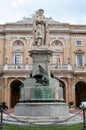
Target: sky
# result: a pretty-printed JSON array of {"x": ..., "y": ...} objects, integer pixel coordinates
[{"x": 64, "y": 11}]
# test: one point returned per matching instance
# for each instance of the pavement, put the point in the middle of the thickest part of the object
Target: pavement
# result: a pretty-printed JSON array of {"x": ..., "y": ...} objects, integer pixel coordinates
[{"x": 75, "y": 111}]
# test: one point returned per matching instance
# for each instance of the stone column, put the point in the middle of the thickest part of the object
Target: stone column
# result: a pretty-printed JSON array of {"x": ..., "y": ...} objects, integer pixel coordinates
[
  {"x": 69, "y": 90},
  {"x": 5, "y": 91},
  {"x": 41, "y": 56}
]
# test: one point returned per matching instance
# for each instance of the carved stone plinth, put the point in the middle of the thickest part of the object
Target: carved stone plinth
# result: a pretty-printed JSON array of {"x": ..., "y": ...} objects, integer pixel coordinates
[
  {"x": 41, "y": 56},
  {"x": 49, "y": 109}
]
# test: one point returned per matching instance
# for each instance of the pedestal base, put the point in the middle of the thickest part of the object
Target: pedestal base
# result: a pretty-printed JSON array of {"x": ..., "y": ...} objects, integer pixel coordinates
[{"x": 51, "y": 109}]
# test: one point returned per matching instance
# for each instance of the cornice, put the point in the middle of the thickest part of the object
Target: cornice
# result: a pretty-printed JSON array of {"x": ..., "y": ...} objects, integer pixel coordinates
[
  {"x": 8, "y": 37},
  {"x": 59, "y": 30},
  {"x": 80, "y": 72},
  {"x": 16, "y": 71},
  {"x": 78, "y": 31},
  {"x": 51, "y": 30},
  {"x": 12, "y": 30},
  {"x": 62, "y": 30}
]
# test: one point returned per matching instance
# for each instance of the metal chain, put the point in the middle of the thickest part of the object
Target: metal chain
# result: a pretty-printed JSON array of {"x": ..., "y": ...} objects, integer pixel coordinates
[
  {"x": 32, "y": 122},
  {"x": 70, "y": 117}
]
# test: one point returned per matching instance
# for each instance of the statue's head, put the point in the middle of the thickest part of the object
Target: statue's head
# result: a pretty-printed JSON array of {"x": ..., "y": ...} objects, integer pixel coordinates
[{"x": 40, "y": 11}]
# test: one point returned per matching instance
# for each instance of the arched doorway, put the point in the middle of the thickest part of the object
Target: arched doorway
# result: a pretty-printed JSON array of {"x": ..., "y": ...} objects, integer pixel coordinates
[
  {"x": 64, "y": 90},
  {"x": 15, "y": 90},
  {"x": 80, "y": 92}
]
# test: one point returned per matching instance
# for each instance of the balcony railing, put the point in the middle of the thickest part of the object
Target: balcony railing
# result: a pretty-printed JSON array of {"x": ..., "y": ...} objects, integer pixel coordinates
[
  {"x": 29, "y": 67},
  {"x": 53, "y": 67},
  {"x": 60, "y": 67},
  {"x": 79, "y": 69},
  {"x": 17, "y": 67}
]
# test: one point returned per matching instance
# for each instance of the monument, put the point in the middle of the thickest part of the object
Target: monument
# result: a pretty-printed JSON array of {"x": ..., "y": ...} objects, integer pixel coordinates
[{"x": 41, "y": 95}]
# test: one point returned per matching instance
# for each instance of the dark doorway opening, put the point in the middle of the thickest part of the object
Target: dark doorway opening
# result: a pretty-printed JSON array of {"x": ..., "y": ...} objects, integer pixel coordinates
[
  {"x": 80, "y": 92},
  {"x": 64, "y": 90},
  {"x": 15, "y": 92}
]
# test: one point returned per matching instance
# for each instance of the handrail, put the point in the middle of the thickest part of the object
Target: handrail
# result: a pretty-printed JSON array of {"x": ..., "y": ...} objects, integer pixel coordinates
[{"x": 29, "y": 66}]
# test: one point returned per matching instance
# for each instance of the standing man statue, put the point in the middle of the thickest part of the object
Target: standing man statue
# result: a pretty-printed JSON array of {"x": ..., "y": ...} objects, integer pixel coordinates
[{"x": 40, "y": 29}]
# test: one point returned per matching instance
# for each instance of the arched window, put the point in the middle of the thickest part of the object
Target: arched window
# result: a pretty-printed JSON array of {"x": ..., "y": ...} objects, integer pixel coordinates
[
  {"x": 57, "y": 46},
  {"x": 18, "y": 49},
  {"x": 18, "y": 43}
]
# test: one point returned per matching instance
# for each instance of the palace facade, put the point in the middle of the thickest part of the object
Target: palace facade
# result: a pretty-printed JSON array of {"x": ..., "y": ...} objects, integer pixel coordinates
[{"x": 68, "y": 62}]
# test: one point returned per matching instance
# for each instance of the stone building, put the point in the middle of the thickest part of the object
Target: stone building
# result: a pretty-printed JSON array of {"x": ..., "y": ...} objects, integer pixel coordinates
[{"x": 68, "y": 62}]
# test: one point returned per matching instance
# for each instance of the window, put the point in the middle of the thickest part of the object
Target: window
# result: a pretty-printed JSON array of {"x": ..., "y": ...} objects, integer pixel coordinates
[
  {"x": 57, "y": 59},
  {"x": 56, "y": 43},
  {"x": 79, "y": 59},
  {"x": 18, "y": 59},
  {"x": 78, "y": 43},
  {"x": 18, "y": 43},
  {"x": 54, "y": 59}
]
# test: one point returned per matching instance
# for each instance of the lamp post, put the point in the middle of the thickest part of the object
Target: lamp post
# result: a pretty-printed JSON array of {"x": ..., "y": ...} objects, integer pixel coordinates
[
  {"x": 84, "y": 120},
  {"x": 83, "y": 107},
  {"x": 1, "y": 123},
  {"x": 2, "y": 108}
]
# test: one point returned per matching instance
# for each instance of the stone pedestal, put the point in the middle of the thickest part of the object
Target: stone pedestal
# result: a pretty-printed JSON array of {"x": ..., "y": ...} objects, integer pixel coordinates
[
  {"x": 49, "y": 109},
  {"x": 37, "y": 98},
  {"x": 41, "y": 56}
]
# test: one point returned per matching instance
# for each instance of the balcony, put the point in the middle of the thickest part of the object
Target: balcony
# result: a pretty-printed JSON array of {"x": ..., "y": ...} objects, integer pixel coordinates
[
  {"x": 59, "y": 67},
  {"x": 63, "y": 68},
  {"x": 17, "y": 67},
  {"x": 29, "y": 67},
  {"x": 79, "y": 69}
]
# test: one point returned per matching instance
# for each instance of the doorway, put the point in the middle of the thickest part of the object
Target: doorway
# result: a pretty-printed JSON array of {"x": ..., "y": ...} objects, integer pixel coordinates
[
  {"x": 15, "y": 92},
  {"x": 80, "y": 92},
  {"x": 64, "y": 90}
]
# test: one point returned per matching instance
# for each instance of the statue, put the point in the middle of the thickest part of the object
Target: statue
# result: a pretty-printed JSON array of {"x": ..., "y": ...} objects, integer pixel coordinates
[
  {"x": 40, "y": 29},
  {"x": 41, "y": 95},
  {"x": 42, "y": 77}
]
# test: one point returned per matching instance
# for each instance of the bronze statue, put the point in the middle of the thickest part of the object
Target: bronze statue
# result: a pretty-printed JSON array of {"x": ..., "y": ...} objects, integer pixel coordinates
[{"x": 42, "y": 77}]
